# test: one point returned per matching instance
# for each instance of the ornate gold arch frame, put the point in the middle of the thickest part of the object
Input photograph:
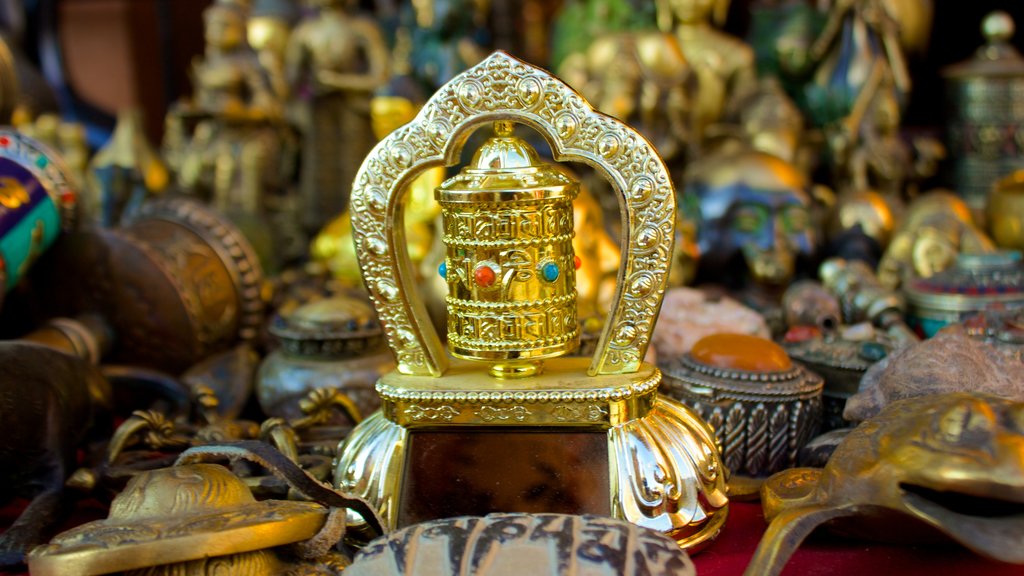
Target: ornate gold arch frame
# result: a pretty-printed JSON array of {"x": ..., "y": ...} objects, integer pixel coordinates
[{"x": 505, "y": 88}]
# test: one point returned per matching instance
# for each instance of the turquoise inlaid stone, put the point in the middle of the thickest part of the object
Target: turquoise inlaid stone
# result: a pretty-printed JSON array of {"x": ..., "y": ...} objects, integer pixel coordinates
[{"x": 550, "y": 271}]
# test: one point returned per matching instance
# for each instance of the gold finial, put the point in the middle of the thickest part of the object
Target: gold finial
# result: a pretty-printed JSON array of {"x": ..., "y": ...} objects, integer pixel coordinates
[{"x": 504, "y": 129}]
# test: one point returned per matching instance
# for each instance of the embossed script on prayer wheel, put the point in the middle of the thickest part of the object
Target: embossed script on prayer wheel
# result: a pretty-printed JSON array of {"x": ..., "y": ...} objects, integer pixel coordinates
[{"x": 508, "y": 227}]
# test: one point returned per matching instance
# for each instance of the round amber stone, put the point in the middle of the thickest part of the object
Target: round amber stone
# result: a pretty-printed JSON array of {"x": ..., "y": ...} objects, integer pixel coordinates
[{"x": 741, "y": 352}]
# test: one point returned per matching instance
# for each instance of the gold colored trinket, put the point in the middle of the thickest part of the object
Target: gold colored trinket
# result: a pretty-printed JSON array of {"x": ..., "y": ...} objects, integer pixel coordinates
[
  {"x": 1005, "y": 214},
  {"x": 451, "y": 440},
  {"x": 198, "y": 513},
  {"x": 953, "y": 462}
]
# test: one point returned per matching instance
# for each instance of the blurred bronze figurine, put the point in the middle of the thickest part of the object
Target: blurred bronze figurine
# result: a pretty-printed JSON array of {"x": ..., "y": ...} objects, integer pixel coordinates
[
  {"x": 233, "y": 153},
  {"x": 936, "y": 228},
  {"x": 755, "y": 226},
  {"x": 124, "y": 172},
  {"x": 343, "y": 59},
  {"x": 724, "y": 64}
]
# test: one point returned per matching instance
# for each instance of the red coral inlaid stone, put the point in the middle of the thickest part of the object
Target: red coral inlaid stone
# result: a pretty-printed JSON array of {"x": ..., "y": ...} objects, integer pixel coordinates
[
  {"x": 741, "y": 352},
  {"x": 484, "y": 276}
]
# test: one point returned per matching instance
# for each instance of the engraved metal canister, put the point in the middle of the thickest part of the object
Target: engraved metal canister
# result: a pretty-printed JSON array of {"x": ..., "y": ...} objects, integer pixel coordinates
[
  {"x": 510, "y": 265},
  {"x": 986, "y": 116}
]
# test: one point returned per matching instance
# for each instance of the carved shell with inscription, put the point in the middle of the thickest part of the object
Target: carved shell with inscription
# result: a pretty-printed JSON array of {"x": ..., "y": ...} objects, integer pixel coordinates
[{"x": 522, "y": 544}]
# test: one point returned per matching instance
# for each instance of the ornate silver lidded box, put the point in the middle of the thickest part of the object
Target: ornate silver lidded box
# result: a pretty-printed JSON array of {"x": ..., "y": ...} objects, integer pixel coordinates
[{"x": 763, "y": 406}]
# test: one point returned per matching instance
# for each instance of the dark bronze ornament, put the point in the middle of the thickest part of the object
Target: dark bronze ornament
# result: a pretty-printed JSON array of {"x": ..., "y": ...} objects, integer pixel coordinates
[
  {"x": 48, "y": 404},
  {"x": 176, "y": 284},
  {"x": 984, "y": 94},
  {"x": 330, "y": 343}
]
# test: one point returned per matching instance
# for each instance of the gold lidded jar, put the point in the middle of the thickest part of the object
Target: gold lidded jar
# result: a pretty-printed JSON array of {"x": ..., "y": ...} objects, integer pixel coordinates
[
  {"x": 509, "y": 265},
  {"x": 334, "y": 342},
  {"x": 986, "y": 116}
]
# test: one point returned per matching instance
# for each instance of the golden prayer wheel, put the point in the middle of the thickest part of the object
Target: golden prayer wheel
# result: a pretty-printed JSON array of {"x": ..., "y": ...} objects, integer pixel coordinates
[
  {"x": 583, "y": 436},
  {"x": 510, "y": 265}
]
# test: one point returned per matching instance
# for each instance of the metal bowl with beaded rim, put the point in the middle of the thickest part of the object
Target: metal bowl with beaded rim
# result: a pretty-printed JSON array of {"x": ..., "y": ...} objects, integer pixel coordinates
[{"x": 763, "y": 406}]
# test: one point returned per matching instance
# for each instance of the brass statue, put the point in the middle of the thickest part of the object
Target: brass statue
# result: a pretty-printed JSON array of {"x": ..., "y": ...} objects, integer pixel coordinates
[
  {"x": 447, "y": 36},
  {"x": 510, "y": 269},
  {"x": 915, "y": 18},
  {"x": 268, "y": 30},
  {"x": 1005, "y": 211},
  {"x": 877, "y": 158},
  {"x": 234, "y": 153},
  {"x": 952, "y": 462},
  {"x": 642, "y": 78},
  {"x": 599, "y": 257},
  {"x": 723, "y": 64},
  {"x": 342, "y": 59},
  {"x": 580, "y": 22},
  {"x": 856, "y": 52},
  {"x": 935, "y": 229}
]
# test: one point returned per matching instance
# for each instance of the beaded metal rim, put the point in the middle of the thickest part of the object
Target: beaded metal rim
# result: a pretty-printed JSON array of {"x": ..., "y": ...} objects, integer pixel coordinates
[
  {"x": 641, "y": 388},
  {"x": 797, "y": 381}
]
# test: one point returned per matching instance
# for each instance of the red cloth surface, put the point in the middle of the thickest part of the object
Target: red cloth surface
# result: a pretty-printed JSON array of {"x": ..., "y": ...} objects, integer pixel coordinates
[{"x": 821, "y": 554}]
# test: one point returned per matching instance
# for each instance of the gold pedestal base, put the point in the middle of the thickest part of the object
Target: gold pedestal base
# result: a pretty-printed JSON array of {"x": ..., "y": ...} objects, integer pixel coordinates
[{"x": 602, "y": 445}]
